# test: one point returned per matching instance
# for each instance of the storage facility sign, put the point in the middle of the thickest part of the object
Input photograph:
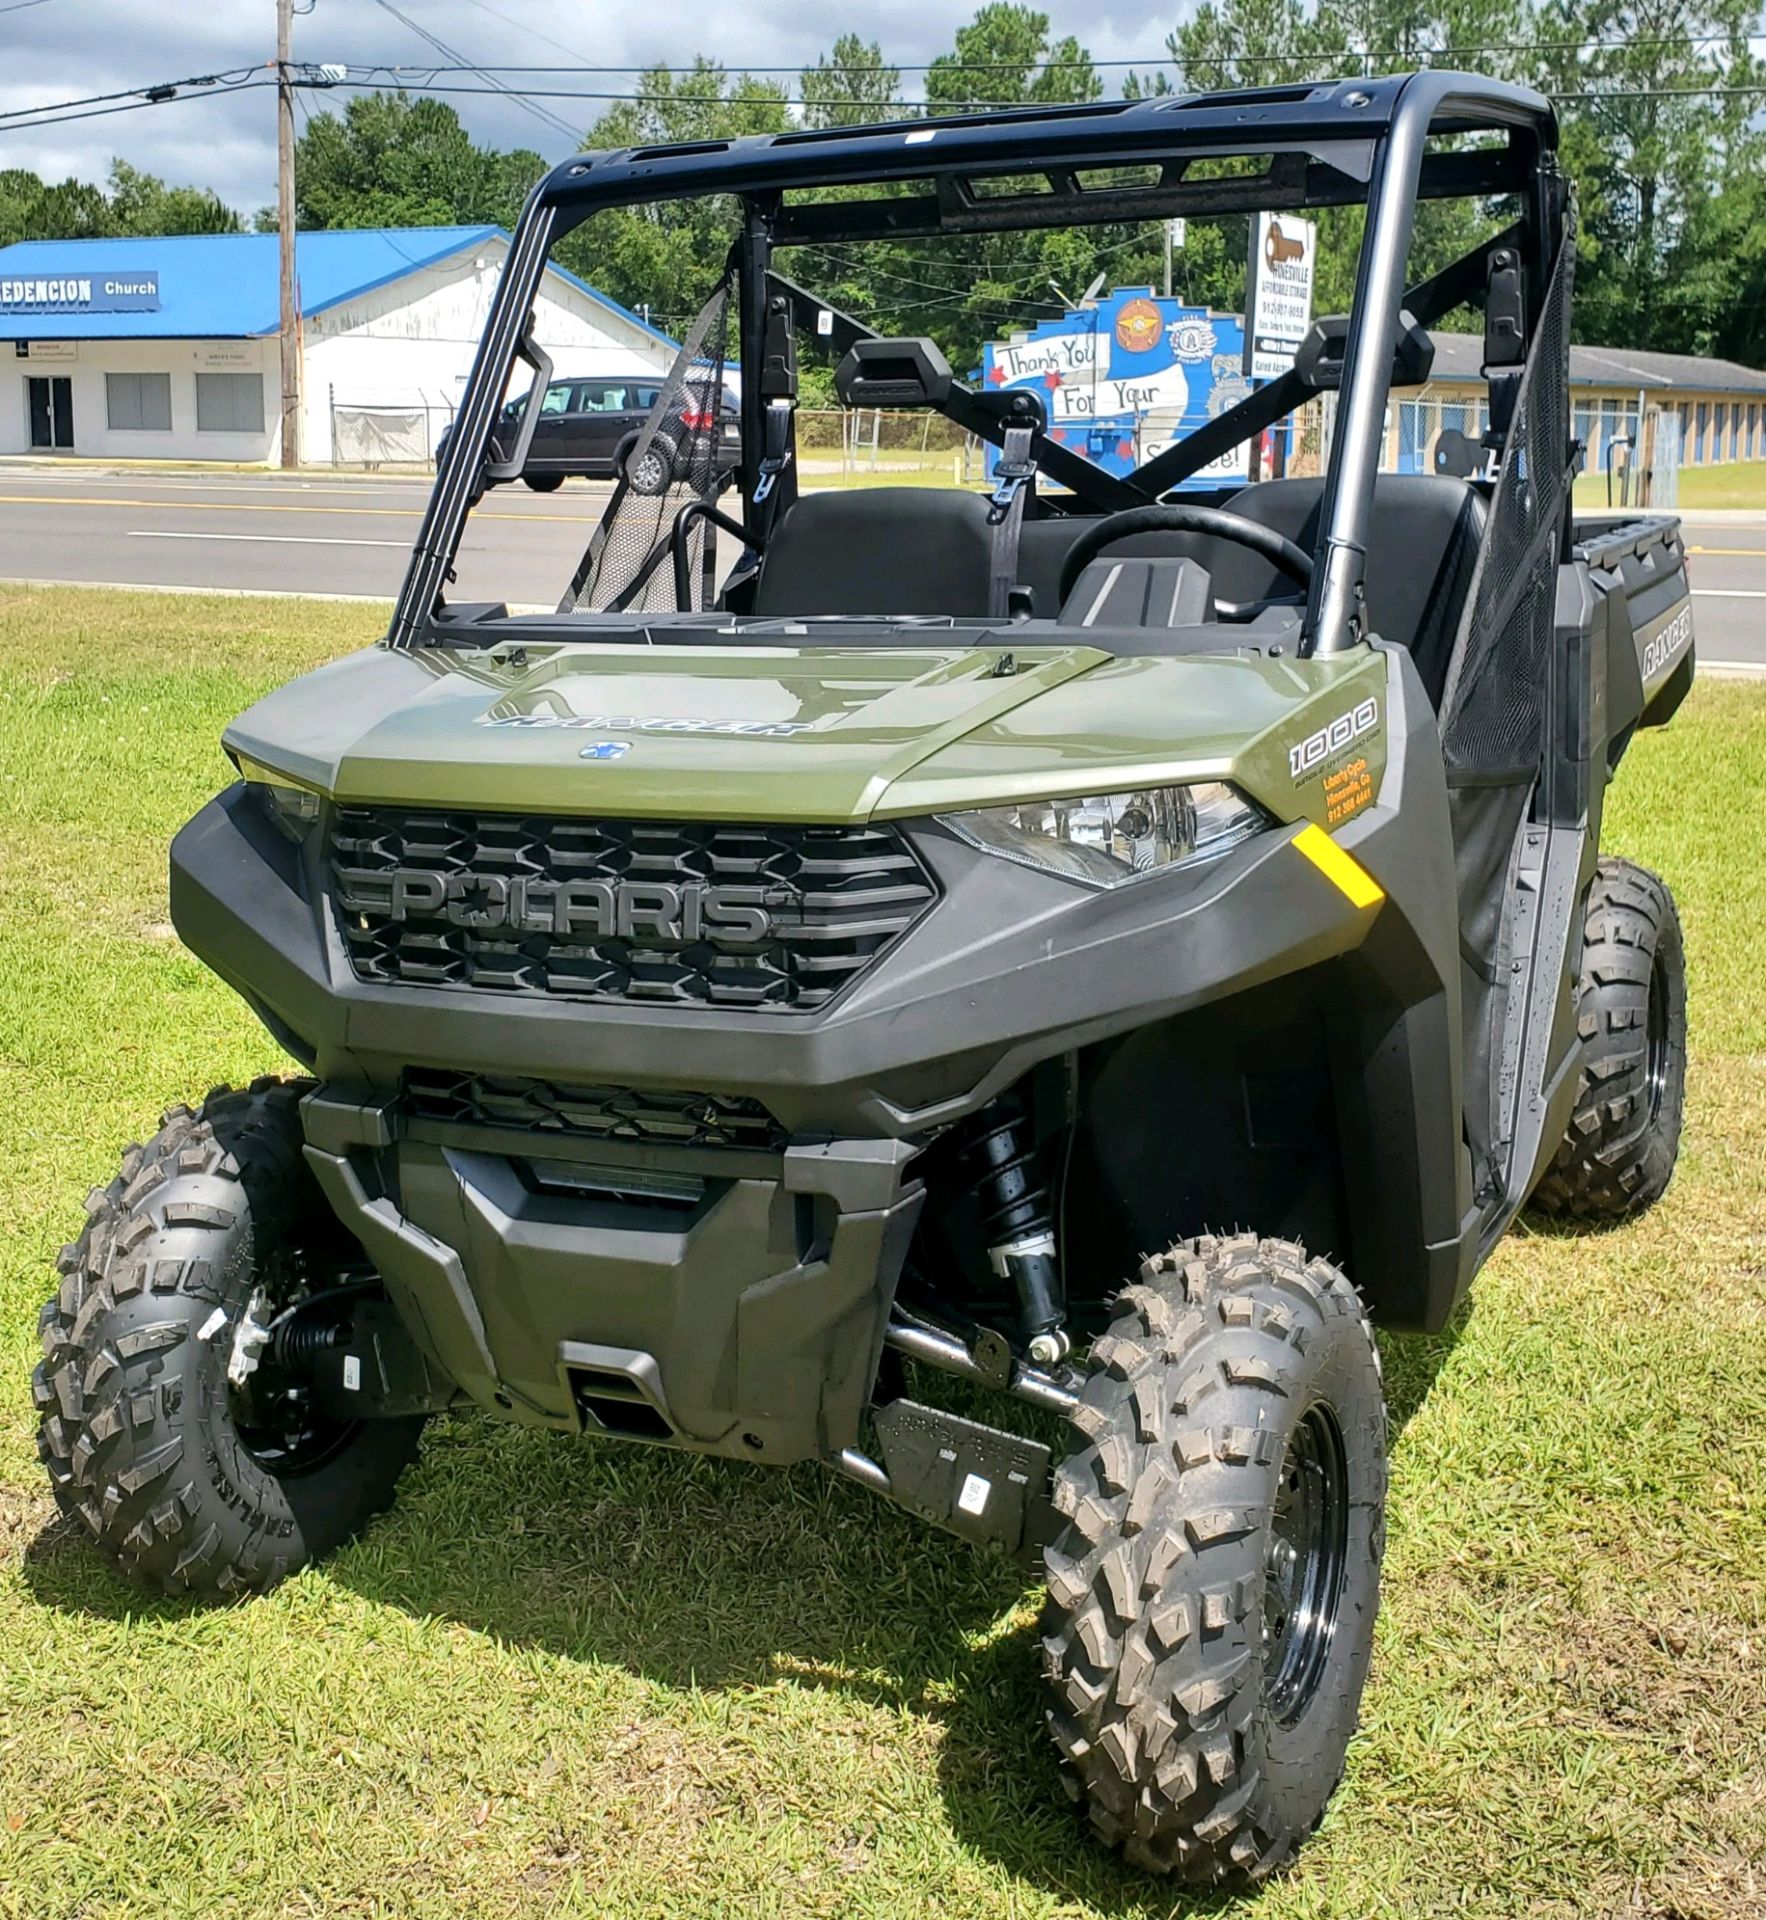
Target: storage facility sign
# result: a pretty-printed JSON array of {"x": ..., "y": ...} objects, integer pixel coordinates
[
  {"x": 80, "y": 293},
  {"x": 1122, "y": 379},
  {"x": 1279, "y": 277}
]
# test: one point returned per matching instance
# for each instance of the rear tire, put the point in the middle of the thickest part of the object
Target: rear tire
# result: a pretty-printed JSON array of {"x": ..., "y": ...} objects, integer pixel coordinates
[
  {"x": 543, "y": 482},
  {"x": 144, "y": 1438},
  {"x": 1212, "y": 1600},
  {"x": 1623, "y": 1139}
]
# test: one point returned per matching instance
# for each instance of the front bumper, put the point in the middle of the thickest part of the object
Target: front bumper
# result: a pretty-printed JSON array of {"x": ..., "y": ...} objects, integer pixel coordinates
[{"x": 745, "y": 1321}]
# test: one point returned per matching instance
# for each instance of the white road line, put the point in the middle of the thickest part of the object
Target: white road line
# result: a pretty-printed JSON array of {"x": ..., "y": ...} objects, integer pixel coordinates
[
  {"x": 266, "y": 539},
  {"x": 1729, "y": 593},
  {"x": 1733, "y": 669}
]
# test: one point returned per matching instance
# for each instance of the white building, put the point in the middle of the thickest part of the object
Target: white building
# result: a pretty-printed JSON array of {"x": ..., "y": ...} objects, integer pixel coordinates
[{"x": 168, "y": 349}]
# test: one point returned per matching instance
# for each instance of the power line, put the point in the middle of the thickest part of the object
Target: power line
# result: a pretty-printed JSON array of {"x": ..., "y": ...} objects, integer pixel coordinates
[
  {"x": 533, "y": 33},
  {"x": 143, "y": 96},
  {"x": 207, "y": 86},
  {"x": 916, "y": 109},
  {"x": 522, "y": 98},
  {"x": 49, "y": 118},
  {"x": 1164, "y": 58}
]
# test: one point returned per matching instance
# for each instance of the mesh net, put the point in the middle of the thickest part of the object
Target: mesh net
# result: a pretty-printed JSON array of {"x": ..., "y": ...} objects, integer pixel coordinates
[
  {"x": 1493, "y": 709},
  {"x": 1493, "y": 713},
  {"x": 680, "y": 456}
]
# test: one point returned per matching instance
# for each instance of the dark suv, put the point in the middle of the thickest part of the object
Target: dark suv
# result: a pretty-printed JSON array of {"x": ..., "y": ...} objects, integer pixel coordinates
[{"x": 588, "y": 426}]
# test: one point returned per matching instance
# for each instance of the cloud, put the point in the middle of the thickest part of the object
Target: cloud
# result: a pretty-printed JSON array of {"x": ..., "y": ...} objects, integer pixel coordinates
[{"x": 68, "y": 48}]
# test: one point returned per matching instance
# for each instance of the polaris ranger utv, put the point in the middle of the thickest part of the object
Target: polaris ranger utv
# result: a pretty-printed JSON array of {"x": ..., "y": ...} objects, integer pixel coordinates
[{"x": 1107, "y": 939}]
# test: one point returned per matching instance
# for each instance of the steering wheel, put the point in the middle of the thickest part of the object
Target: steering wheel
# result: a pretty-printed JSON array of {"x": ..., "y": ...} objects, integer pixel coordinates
[{"x": 1278, "y": 550}]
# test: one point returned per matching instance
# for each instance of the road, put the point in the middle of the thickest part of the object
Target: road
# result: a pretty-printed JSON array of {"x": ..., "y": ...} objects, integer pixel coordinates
[{"x": 349, "y": 536}]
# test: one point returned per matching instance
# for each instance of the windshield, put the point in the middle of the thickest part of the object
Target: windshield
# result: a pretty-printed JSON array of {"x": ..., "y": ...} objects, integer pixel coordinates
[{"x": 821, "y": 404}]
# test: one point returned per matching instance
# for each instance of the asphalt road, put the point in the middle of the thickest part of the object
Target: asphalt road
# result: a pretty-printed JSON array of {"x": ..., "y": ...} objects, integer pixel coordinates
[{"x": 348, "y": 536}]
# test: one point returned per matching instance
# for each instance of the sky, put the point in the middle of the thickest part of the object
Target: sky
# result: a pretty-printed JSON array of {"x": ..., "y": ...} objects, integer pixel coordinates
[{"x": 54, "y": 50}]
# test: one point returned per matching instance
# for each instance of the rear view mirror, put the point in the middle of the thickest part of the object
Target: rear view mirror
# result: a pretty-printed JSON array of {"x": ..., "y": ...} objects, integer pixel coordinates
[
  {"x": 1319, "y": 360},
  {"x": 893, "y": 373}
]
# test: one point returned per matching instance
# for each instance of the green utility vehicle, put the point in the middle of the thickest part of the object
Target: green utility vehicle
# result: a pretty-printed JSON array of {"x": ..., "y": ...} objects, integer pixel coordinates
[{"x": 1107, "y": 940}]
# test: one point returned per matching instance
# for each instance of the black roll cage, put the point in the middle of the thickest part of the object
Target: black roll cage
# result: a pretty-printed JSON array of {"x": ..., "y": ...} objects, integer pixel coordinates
[{"x": 1340, "y": 143}]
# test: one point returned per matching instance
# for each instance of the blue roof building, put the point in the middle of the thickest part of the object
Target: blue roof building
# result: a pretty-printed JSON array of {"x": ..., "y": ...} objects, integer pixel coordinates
[{"x": 168, "y": 347}]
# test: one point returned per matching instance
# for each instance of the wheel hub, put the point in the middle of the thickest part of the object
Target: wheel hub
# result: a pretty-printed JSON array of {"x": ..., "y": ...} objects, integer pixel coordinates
[
  {"x": 272, "y": 1404},
  {"x": 1304, "y": 1563}
]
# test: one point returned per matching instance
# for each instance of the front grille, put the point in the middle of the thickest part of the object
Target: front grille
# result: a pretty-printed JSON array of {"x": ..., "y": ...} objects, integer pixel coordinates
[
  {"x": 774, "y": 919},
  {"x": 591, "y": 1113}
]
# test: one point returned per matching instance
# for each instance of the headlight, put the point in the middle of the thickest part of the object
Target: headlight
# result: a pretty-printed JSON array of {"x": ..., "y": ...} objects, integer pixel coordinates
[
  {"x": 1116, "y": 836},
  {"x": 292, "y": 808}
]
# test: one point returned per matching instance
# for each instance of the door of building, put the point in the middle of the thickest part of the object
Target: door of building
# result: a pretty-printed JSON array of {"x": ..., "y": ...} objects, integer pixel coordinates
[{"x": 52, "y": 409}]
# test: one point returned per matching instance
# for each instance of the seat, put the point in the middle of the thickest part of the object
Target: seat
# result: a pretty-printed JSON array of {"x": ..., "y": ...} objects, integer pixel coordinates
[
  {"x": 1423, "y": 538},
  {"x": 1423, "y": 544},
  {"x": 883, "y": 550}
]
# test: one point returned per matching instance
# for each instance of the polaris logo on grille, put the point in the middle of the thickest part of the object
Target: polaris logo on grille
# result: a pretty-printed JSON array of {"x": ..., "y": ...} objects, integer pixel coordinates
[{"x": 649, "y": 912}]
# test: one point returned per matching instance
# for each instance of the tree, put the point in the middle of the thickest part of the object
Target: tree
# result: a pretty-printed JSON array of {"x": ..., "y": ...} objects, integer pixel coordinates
[
  {"x": 851, "y": 87},
  {"x": 137, "y": 203},
  {"x": 668, "y": 255},
  {"x": 1003, "y": 58},
  {"x": 140, "y": 203},
  {"x": 1667, "y": 165},
  {"x": 31, "y": 209},
  {"x": 392, "y": 161},
  {"x": 1667, "y": 169}
]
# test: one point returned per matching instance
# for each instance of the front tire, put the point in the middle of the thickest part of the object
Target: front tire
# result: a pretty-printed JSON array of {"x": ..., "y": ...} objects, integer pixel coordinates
[
  {"x": 1212, "y": 1599},
  {"x": 543, "y": 482},
  {"x": 188, "y": 1481},
  {"x": 1618, "y": 1153}
]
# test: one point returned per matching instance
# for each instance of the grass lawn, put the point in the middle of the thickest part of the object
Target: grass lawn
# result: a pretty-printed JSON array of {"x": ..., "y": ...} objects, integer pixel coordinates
[
  {"x": 1739, "y": 483},
  {"x": 570, "y": 1679}
]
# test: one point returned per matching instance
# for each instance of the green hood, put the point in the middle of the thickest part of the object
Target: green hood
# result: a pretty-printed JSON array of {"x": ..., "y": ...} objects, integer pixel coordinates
[{"x": 805, "y": 733}]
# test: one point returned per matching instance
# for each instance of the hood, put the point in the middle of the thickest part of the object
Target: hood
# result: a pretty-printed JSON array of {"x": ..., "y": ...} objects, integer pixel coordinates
[{"x": 756, "y": 732}]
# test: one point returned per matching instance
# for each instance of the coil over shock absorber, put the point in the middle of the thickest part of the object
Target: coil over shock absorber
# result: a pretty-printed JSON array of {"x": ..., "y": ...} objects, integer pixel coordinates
[{"x": 1017, "y": 1224}]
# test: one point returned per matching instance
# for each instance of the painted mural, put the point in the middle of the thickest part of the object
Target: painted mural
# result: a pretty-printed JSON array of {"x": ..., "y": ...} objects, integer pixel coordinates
[{"x": 1123, "y": 378}]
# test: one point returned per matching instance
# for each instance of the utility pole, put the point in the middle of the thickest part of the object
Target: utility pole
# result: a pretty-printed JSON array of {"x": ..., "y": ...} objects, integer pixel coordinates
[{"x": 290, "y": 315}]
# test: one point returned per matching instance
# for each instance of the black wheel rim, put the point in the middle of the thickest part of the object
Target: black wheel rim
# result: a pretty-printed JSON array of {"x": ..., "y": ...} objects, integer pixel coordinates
[
  {"x": 1303, "y": 1568},
  {"x": 1656, "y": 1039}
]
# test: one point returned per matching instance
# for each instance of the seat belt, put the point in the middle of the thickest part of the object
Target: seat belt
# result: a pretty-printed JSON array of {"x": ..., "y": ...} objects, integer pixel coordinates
[{"x": 1015, "y": 476}]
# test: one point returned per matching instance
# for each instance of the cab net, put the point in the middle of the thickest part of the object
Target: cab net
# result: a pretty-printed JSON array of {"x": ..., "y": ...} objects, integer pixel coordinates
[
  {"x": 1494, "y": 712},
  {"x": 679, "y": 457}
]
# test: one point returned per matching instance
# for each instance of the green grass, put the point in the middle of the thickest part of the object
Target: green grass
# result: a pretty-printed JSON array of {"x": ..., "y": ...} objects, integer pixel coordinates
[
  {"x": 1739, "y": 483},
  {"x": 568, "y": 1679}
]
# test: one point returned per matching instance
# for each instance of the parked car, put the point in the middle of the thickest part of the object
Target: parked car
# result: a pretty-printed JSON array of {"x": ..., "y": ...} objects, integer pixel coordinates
[{"x": 589, "y": 426}]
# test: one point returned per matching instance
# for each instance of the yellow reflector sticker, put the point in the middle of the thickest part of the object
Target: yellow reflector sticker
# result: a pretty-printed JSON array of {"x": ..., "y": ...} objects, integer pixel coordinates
[{"x": 1344, "y": 873}]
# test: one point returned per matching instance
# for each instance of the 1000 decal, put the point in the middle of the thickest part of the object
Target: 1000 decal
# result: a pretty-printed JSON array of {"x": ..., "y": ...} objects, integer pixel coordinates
[{"x": 1316, "y": 748}]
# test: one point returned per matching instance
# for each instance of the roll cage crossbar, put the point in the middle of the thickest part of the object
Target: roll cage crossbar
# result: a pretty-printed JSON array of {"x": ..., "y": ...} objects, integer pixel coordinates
[{"x": 1337, "y": 144}]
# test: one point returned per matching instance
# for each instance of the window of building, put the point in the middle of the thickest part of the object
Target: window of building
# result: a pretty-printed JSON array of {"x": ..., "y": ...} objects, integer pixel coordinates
[
  {"x": 138, "y": 402},
  {"x": 229, "y": 403}
]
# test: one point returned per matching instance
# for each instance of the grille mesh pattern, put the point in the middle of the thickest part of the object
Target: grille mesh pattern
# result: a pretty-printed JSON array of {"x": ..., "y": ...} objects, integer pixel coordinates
[
  {"x": 776, "y": 919},
  {"x": 599, "y": 1113}
]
